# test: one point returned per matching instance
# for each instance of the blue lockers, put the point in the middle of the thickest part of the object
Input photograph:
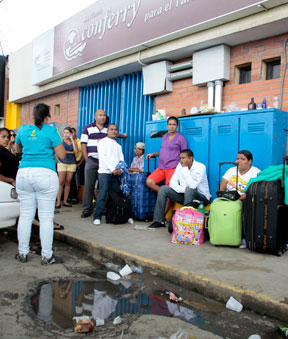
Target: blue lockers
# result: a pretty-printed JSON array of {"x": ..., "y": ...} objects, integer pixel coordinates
[
  {"x": 153, "y": 138},
  {"x": 218, "y": 138},
  {"x": 196, "y": 132}
]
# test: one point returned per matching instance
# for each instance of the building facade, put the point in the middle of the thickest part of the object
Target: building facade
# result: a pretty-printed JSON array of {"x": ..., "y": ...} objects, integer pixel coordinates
[{"x": 134, "y": 57}]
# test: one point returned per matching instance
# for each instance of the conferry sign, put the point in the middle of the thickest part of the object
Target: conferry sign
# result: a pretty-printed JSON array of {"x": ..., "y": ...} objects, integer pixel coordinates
[{"x": 111, "y": 28}]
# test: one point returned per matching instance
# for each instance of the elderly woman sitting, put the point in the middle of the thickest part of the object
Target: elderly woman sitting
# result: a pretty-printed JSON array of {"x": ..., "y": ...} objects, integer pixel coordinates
[{"x": 137, "y": 165}]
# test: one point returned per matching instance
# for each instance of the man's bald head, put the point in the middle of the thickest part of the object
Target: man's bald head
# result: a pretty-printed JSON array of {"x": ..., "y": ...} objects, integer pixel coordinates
[{"x": 100, "y": 117}]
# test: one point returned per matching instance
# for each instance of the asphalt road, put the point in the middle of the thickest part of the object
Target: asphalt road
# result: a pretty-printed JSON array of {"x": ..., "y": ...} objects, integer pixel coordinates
[{"x": 19, "y": 284}]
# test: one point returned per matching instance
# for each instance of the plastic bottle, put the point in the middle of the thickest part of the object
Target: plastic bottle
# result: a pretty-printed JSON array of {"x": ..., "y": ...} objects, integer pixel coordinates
[
  {"x": 252, "y": 104},
  {"x": 160, "y": 115},
  {"x": 276, "y": 102},
  {"x": 201, "y": 208},
  {"x": 138, "y": 269},
  {"x": 264, "y": 103}
]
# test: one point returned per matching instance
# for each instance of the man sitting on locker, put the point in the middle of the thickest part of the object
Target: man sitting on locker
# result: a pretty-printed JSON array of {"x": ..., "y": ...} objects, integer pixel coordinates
[{"x": 189, "y": 182}]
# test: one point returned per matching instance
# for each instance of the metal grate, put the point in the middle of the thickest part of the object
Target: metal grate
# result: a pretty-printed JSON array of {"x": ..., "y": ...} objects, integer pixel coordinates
[
  {"x": 224, "y": 129},
  {"x": 196, "y": 131},
  {"x": 256, "y": 127}
]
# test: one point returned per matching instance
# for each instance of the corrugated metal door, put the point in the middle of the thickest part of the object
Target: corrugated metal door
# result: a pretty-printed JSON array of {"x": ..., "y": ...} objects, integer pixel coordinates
[{"x": 124, "y": 103}]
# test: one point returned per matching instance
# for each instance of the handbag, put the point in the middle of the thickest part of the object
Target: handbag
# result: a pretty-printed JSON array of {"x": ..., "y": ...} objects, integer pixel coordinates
[{"x": 231, "y": 195}]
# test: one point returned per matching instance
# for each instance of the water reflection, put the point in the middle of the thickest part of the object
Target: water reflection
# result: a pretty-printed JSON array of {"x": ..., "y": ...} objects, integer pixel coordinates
[{"x": 62, "y": 300}]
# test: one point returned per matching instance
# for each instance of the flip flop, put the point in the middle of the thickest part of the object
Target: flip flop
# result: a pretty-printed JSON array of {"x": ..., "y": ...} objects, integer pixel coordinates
[
  {"x": 35, "y": 249},
  {"x": 59, "y": 227}
]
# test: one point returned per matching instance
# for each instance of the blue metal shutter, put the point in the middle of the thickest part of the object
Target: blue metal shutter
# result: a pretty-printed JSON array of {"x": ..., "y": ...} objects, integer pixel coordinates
[{"x": 124, "y": 104}]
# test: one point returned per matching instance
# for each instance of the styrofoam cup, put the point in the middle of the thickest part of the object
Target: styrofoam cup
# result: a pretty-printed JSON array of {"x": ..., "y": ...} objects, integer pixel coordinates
[
  {"x": 125, "y": 270},
  {"x": 113, "y": 276},
  {"x": 234, "y": 305},
  {"x": 254, "y": 336},
  {"x": 100, "y": 322}
]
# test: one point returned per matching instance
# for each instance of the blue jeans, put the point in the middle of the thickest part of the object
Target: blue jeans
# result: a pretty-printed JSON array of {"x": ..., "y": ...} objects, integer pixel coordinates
[
  {"x": 107, "y": 182},
  {"x": 36, "y": 186},
  {"x": 182, "y": 198}
]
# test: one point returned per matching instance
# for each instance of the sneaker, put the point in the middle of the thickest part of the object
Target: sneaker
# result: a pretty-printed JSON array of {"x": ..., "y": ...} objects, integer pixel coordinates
[
  {"x": 157, "y": 224},
  {"x": 52, "y": 260},
  {"x": 243, "y": 244},
  {"x": 21, "y": 257},
  {"x": 97, "y": 222}
]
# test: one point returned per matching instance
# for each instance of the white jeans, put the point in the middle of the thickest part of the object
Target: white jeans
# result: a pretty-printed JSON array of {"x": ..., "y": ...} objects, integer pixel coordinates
[{"x": 36, "y": 186}]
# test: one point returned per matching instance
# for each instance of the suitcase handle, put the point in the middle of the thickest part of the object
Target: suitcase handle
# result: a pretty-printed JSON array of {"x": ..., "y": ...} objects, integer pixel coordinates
[
  {"x": 229, "y": 163},
  {"x": 149, "y": 162}
]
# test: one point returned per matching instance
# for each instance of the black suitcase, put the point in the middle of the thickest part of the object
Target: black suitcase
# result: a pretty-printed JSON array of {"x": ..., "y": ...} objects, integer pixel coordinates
[
  {"x": 265, "y": 217},
  {"x": 118, "y": 209}
]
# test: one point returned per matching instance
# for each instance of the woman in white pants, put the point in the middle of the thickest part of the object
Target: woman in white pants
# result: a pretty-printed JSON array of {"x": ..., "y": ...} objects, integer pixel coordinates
[{"x": 37, "y": 182}]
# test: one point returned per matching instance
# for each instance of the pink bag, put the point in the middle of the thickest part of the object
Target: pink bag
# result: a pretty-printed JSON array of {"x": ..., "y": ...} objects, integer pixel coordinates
[{"x": 188, "y": 226}]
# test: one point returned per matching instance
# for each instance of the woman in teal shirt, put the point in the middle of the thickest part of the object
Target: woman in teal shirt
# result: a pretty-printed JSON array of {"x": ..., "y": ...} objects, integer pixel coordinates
[{"x": 37, "y": 181}]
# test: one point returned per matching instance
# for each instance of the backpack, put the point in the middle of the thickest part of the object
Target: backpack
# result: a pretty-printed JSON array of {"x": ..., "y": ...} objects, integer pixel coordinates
[
  {"x": 188, "y": 226},
  {"x": 117, "y": 208}
]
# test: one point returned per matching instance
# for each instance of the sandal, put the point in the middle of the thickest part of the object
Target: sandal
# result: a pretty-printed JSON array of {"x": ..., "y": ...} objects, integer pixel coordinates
[
  {"x": 57, "y": 206},
  {"x": 58, "y": 227},
  {"x": 35, "y": 249}
]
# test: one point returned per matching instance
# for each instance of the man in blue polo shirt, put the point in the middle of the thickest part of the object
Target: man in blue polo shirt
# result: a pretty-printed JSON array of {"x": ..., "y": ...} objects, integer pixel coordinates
[{"x": 90, "y": 137}]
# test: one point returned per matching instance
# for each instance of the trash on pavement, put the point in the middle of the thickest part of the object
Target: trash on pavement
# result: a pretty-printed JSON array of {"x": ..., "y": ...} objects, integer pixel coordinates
[
  {"x": 83, "y": 325},
  {"x": 131, "y": 221},
  {"x": 113, "y": 276},
  {"x": 138, "y": 269},
  {"x": 100, "y": 322},
  {"x": 234, "y": 305},
  {"x": 112, "y": 267},
  {"x": 173, "y": 297},
  {"x": 180, "y": 334},
  {"x": 141, "y": 227},
  {"x": 283, "y": 330},
  {"x": 117, "y": 321},
  {"x": 125, "y": 270},
  {"x": 254, "y": 336}
]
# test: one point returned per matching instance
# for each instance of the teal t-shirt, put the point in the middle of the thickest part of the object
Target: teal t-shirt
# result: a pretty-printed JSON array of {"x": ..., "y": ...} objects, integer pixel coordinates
[{"x": 38, "y": 146}]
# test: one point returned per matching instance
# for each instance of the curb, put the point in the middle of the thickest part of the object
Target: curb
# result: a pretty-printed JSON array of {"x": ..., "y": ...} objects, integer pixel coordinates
[{"x": 251, "y": 300}]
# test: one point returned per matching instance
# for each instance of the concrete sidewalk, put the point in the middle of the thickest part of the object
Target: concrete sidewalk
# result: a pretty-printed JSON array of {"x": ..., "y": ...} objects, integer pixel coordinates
[{"x": 258, "y": 281}]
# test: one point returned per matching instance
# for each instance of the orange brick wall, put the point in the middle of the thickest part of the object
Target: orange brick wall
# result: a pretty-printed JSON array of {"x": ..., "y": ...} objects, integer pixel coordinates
[
  {"x": 68, "y": 101},
  {"x": 185, "y": 95}
]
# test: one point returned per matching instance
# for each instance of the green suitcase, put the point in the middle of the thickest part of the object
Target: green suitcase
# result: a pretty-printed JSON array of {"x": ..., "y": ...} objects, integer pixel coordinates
[{"x": 225, "y": 222}]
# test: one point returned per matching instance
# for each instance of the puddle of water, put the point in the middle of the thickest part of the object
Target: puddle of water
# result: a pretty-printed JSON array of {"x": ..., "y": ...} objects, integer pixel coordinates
[{"x": 62, "y": 300}]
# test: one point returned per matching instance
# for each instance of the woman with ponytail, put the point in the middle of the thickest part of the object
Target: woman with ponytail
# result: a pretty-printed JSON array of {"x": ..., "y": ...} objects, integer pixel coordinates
[{"x": 37, "y": 182}]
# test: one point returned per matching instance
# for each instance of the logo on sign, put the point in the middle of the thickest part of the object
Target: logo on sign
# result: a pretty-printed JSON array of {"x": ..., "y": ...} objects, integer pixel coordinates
[{"x": 73, "y": 45}]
